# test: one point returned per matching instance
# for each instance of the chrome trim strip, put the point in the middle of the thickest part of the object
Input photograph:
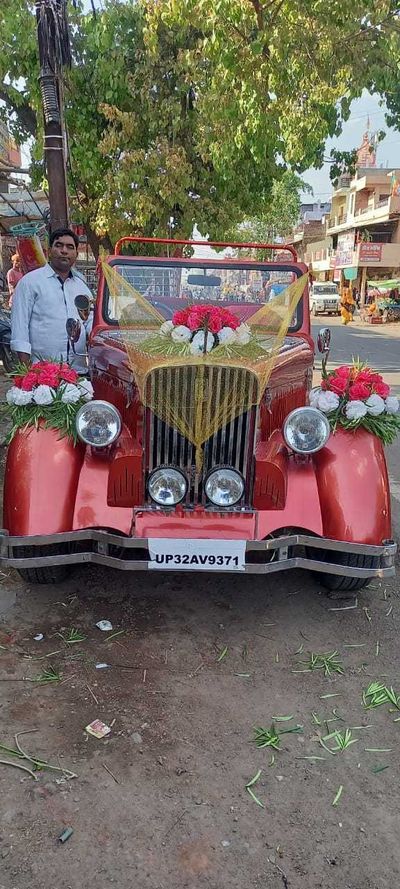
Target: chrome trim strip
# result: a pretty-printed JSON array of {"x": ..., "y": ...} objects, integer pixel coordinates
[
  {"x": 142, "y": 565},
  {"x": 104, "y": 539}
]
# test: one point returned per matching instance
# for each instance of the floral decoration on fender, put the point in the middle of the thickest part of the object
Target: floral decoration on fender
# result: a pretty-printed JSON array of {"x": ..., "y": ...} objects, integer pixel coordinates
[
  {"x": 354, "y": 395},
  {"x": 50, "y": 392}
]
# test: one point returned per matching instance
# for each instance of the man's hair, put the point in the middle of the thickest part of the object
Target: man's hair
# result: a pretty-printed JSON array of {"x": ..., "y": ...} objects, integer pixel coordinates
[{"x": 60, "y": 232}]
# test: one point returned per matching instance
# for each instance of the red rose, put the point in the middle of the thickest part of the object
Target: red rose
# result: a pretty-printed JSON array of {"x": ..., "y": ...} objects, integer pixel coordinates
[
  {"x": 229, "y": 319},
  {"x": 17, "y": 381},
  {"x": 343, "y": 371},
  {"x": 68, "y": 375},
  {"x": 29, "y": 381},
  {"x": 382, "y": 389},
  {"x": 193, "y": 321},
  {"x": 47, "y": 378},
  {"x": 180, "y": 317},
  {"x": 338, "y": 385},
  {"x": 358, "y": 391},
  {"x": 365, "y": 376}
]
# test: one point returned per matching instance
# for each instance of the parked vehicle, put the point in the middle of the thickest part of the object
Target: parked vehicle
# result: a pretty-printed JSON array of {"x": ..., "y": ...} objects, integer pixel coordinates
[
  {"x": 272, "y": 489},
  {"x": 325, "y": 298},
  {"x": 6, "y": 356}
]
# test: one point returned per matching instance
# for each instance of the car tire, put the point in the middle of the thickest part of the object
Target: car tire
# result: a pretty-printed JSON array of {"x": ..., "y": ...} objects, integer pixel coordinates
[
  {"x": 337, "y": 582},
  {"x": 47, "y": 573}
]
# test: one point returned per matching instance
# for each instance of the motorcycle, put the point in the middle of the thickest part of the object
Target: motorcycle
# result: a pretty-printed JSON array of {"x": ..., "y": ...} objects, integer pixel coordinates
[{"x": 6, "y": 355}]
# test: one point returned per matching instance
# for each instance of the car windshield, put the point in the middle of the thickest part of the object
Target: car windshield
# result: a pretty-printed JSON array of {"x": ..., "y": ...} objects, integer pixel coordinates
[{"x": 170, "y": 287}]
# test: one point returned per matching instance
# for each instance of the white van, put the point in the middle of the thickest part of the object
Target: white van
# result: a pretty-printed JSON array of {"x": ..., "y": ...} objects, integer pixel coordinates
[{"x": 325, "y": 298}]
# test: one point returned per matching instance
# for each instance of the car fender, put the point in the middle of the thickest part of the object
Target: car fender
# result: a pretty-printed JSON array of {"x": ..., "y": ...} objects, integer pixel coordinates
[
  {"x": 354, "y": 488},
  {"x": 40, "y": 483}
]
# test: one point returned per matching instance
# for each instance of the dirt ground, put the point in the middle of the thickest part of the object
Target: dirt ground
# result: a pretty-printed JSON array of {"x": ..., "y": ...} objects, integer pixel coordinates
[{"x": 198, "y": 662}]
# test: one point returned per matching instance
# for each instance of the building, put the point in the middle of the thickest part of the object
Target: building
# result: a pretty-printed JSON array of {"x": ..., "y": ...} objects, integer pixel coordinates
[
  {"x": 362, "y": 236},
  {"x": 314, "y": 211}
]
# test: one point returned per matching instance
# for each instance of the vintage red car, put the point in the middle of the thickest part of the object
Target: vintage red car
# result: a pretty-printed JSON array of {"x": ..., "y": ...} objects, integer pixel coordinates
[{"x": 274, "y": 490}]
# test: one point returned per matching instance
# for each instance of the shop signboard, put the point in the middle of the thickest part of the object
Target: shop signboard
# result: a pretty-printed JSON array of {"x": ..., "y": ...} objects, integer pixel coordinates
[
  {"x": 344, "y": 249},
  {"x": 370, "y": 252}
]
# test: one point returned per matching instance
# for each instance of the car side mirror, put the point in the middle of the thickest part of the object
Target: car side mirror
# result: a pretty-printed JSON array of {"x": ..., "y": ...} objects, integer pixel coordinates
[
  {"x": 73, "y": 328},
  {"x": 82, "y": 303},
  {"x": 324, "y": 344}
]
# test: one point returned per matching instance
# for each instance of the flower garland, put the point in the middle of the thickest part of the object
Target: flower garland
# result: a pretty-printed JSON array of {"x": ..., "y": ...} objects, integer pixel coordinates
[
  {"x": 203, "y": 328},
  {"x": 48, "y": 391},
  {"x": 354, "y": 395}
]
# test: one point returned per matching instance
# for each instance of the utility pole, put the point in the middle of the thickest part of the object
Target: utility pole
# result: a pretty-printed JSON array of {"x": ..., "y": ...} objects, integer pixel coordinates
[{"x": 54, "y": 54}]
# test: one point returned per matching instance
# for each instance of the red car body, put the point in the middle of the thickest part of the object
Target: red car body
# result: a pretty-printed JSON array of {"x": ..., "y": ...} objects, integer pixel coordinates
[{"x": 329, "y": 511}]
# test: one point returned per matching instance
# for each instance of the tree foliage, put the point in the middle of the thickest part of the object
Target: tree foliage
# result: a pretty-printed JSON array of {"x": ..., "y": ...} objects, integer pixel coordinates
[
  {"x": 280, "y": 215},
  {"x": 183, "y": 111}
]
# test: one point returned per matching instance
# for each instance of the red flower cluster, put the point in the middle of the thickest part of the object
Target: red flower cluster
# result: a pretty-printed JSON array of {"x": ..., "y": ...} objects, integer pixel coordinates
[
  {"x": 200, "y": 317},
  {"x": 46, "y": 373},
  {"x": 354, "y": 383}
]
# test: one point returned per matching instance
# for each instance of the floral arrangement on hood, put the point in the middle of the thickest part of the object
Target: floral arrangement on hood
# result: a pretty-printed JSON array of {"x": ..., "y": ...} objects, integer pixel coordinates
[
  {"x": 354, "y": 395},
  {"x": 200, "y": 329},
  {"x": 47, "y": 391}
]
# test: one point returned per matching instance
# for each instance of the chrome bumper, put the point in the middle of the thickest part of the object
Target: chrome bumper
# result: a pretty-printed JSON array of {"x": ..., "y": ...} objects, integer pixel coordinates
[{"x": 131, "y": 553}]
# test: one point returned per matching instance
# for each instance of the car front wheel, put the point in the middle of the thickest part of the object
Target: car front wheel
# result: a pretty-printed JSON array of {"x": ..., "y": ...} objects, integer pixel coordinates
[
  {"x": 45, "y": 573},
  {"x": 340, "y": 582}
]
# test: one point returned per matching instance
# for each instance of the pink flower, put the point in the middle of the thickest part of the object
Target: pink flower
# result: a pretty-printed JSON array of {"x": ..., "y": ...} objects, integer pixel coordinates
[
  {"x": 358, "y": 391},
  {"x": 338, "y": 384},
  {"x": 343, "y": 371},
  {"x": 47, "y": 378},
  {"x": 381, "y": 389},
  {"x": 180, "y": 317},
  {"x": 29, "y": 381},
  {"x": 68, "y": 374}
]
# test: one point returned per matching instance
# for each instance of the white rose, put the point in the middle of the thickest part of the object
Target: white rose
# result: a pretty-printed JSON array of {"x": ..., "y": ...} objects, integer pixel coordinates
[
  {"x": 355, "y": 410},
  {"x": 314, "y": 396},
  {"x": 243, "y": 334},
  {"x": 392, "y": 404},
  {"x": 166, "y": 328},
  {"x": 198, "y": 341},
  {"x": 18, "y": 396},
  {"x": 43, "y": 395},
  {"x": 226, "y": 336},
  {"x": 375, "y": 405},
  {"x": 181, "y": 334},
  {"x": 86, "y": 389},
  {"x": 327, "y": 402},
  {"x": 70, "y": 393}
]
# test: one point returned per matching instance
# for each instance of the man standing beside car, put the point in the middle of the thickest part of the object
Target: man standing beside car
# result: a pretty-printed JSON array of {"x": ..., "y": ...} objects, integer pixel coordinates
[{"x": 42, "y": 302}]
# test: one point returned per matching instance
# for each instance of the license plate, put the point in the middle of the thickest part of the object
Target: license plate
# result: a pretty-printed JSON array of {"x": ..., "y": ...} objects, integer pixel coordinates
[{"x": 196, "y": 555}]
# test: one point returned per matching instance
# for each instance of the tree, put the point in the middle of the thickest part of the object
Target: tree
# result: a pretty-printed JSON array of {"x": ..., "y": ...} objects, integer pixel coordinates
[
  {"x": 280, "y": 215},
  {"x": 183, "y": 111}
]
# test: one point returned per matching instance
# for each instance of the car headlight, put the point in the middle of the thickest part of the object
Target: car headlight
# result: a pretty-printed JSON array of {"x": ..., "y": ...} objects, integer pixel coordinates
[
  {"x": 98, "y": 423},
  {"x": 167, "y": 486},
  {"x": 224, "y": 487},
  {"x": 306, "y": 430}
]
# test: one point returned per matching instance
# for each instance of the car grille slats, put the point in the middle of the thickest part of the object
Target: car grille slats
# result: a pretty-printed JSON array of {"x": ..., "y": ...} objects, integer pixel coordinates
[{"x": 231, "y": 445}]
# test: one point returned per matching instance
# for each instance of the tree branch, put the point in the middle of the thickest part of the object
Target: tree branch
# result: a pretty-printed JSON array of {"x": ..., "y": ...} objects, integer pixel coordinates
[{"x": 25, "y": 114}]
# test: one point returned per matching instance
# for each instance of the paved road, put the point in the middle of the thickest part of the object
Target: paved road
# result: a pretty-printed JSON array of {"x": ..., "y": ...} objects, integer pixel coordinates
[{"x": 380, "y": 348}]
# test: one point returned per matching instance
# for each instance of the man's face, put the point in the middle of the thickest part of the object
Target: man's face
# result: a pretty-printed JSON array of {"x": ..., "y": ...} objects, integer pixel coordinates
[{"x": 63, "y": 253}]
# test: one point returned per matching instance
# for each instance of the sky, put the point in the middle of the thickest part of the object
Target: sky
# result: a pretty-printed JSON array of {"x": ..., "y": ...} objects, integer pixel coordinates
[{"x": 388, "y": 153}]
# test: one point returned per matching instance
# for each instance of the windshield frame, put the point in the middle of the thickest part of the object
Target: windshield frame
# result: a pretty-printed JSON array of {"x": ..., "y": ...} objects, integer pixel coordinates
[{"x": 208, "y": 263}]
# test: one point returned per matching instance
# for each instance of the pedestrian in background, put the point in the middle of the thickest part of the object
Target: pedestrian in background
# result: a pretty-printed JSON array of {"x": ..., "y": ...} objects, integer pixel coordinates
[{"x": 14, "y": 275}]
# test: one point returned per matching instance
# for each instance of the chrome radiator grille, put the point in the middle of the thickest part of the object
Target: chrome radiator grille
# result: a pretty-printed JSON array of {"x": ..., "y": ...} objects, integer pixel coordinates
[{"x": 232, "y": 445}]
